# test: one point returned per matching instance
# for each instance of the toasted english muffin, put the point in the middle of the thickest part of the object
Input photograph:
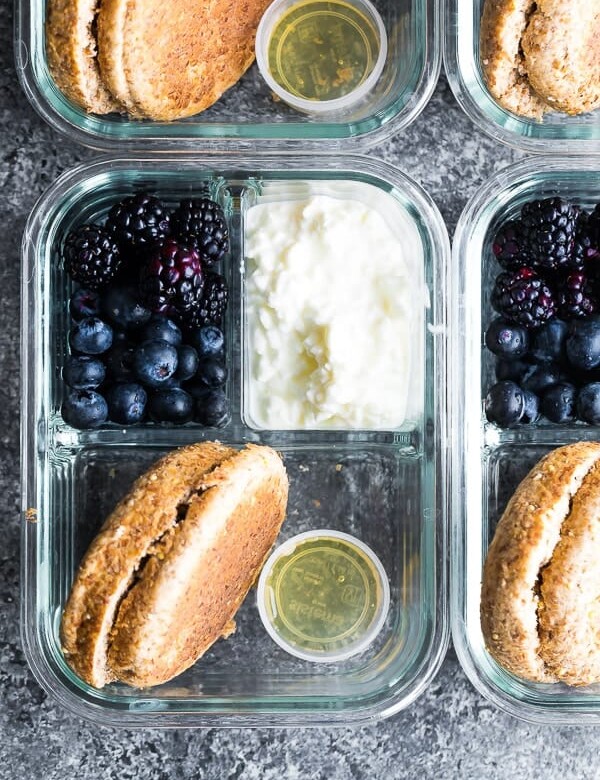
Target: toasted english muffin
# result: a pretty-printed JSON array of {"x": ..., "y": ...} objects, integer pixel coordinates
[
  {"x": 561, "y": 48},
  {"x": 503, "y": 24},
  {"x": 171, "y": 60},
  {"x": 171, "y": 565},
  {"x": 71, "y": 52},
  {"x": 569, "y": 609},
  {"x": 525, "y": 540}
]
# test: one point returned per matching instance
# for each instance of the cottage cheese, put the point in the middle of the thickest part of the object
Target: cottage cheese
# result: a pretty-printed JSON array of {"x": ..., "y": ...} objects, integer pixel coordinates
[{"x": 332, "y": 296}]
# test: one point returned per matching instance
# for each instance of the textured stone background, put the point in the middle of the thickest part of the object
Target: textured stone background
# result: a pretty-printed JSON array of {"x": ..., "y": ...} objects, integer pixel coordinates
[{"x": 451, "y": 732}]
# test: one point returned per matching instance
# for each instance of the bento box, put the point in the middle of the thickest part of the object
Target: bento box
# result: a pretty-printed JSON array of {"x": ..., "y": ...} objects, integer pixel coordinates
[
  {"x": 247, "y": 114},
  {"x": 558, "y": 133},
  {"x": 491, "y": 461},
  {"x": 387, "y": 487}
]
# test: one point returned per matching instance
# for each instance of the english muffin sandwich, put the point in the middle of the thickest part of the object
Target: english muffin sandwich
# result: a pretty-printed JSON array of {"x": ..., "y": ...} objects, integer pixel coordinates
[
  {"x": 542, "y": 55},
  {"x": 170, "y": 567},
  {"x": 541, "y": 580},
  {"x": 154, "y": 60}
]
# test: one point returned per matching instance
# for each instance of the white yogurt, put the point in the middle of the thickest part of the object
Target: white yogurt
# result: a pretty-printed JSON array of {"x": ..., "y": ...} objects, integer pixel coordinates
[{"x": 333, "y": 299}]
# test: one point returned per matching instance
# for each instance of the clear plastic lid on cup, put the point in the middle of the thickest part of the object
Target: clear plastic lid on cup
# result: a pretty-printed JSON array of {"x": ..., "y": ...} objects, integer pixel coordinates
[{"x": 323, "y": 596}]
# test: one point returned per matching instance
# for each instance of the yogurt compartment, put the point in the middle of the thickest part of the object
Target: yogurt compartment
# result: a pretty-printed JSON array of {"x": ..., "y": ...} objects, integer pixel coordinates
[{"x": 334, "y": 298}]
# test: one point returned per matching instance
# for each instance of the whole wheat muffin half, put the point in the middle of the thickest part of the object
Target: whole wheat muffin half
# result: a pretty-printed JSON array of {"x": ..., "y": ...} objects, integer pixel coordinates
[
  {"x": 168, "y": 570},
  {"x": 561, "y": 49},
  {"x": 569, "y": 608},
  {"x": 555, "y": 497},
  {"x": 170, "y": 60},
  {"x": 503, "y": 24},
  {"x": 542, "y": 55},
  {"x": 71, "y": 51}
]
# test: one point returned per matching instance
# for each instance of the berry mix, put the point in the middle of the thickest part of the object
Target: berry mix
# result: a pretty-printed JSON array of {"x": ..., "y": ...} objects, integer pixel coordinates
[
  {"x": 146, "y": 339},
  {"x": 546, "y": 338}
]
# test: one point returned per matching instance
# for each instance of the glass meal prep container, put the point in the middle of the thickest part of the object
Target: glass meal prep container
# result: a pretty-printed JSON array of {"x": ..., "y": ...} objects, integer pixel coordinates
[
  {"x": 558, "y": 133},
  {"x": 489, "y": 462},
  {"x": 408, "y": 78},
  {"x": 388, "y": 488}
]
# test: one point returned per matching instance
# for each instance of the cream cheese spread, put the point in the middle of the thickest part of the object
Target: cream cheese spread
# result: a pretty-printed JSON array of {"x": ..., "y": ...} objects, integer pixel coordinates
[{"x": 332, "y": 302}]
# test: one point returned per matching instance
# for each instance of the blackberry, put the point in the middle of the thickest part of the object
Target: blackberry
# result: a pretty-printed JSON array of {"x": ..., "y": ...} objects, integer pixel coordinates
[
  {"x": 202, "y": 225},
  {"x": 549, "y": 228},
  {"x": 523, "y": 297},
  {"x": 586, "y": 244},
  {"x": 510, "y": 245},
  {"x": 91, "y": 256},
  {"x": 213, "y": 303},
  {"x": 171, "y": 280},
  {"x": 576, "y": 298},
  {"x": 138, "y": 222}
]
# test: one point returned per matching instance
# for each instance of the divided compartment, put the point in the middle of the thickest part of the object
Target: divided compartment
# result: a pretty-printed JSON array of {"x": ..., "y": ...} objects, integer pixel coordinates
[
  {"x": 558, "y": 133},
  {"x": 247, "y": 114},
  {"x": 388, "y": 488},
  {"x": 490, "y": 462}
]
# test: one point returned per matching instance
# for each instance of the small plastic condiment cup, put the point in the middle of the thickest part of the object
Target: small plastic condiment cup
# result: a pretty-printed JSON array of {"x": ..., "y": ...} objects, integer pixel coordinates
[
  {"x": 339, "y": 650},
  {"x": 267, "y": 24}
]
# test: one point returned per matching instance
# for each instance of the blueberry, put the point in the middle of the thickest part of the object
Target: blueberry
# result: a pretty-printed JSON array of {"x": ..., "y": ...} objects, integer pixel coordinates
[
  {"x": 84, "y": 409},
  {"x": 196, "y": 388},
  {"x": 583, "y": 344},
  {"x": 175, "y": 406},
  {"x": 558, "y": 403},
  {"x": 82, "y": 372},
  {"x": 122, "y": 308},
  {"x": 119, "y": 361},
  {"x": 211, "y": 372},
  {"x": 84, "y": 303},
  {"x": 588, "y": 403},
  {"x": 506, "y": 339},
  {"x": 549, "y": 342},
  {"x": 531, "y": 407},
  {"x": 212, "y": 408},
  {"x": 504, "y": 404},
  {"x": 126, "y": 403},
  {"x": 541, "y": 377},
  {"x": 154, "y": 362},
  {"x": 187, "y": 363},
  {"x": 208, "y": 340},
  {"x": 511, "y": 369},
  {"x": 162, "y": 329},
  {"x": 90, "y": 336}
]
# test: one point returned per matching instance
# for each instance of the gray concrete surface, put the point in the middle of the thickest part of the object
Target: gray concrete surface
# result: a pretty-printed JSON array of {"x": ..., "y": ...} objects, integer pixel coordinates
[{"x": 451, "y": 732}]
